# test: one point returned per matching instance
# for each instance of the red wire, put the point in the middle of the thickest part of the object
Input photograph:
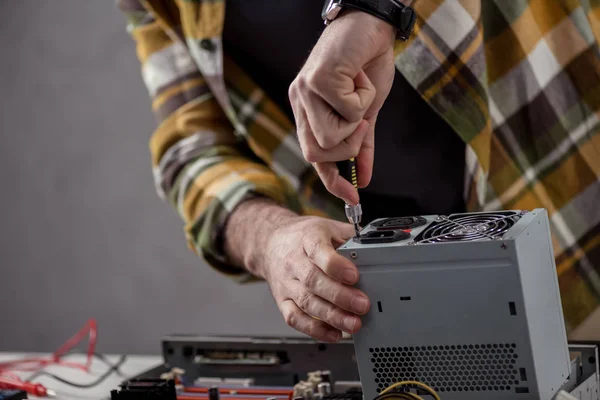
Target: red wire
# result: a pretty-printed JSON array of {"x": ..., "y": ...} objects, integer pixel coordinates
[
  {"x": 90, "y": 329},
  {"x": 11, "y": 375}
]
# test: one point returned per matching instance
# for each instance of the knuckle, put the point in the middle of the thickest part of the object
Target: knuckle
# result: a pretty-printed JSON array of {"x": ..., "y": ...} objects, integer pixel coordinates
[
  {"x": 291, "y": 318},
  {"x": 311, "y": 155},
  {"x": 328, "y": 261},
  {"x": 293, "y": 89},
  {"x": 313, "y": 80},
  {"x": 354, "y": 113},
  {"x": 311, "y": 278},
  {"x": 304, "y": 300},
  {"x": 355, "y": 147},
  {"x": 330, "y": 316},
  {"x": 301, "y": 82},
  {"x": 326, "y": 141},
  {"x": 312, "y": 329},
  {"x": 336, "y": 295},
  {"x": 288, "y": 262},
  {"x": 312, "y": 247}
]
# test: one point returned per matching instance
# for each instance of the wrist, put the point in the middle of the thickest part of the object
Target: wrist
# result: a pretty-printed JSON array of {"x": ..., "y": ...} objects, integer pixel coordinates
[
  {"x": 373, "y": 24},
  {"x": 394, "y": 14},
  {"x": 248, "y": 230}
]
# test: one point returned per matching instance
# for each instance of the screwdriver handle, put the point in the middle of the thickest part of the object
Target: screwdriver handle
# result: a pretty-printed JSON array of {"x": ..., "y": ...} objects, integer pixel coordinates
[{"x": 347, "y": 170}]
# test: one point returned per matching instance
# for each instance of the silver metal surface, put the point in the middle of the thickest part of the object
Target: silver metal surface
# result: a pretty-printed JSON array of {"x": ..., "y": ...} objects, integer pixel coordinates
[
  {"x": 332, "y": 11},
  {"x": 588, "y": 390},
  {"x": 449, "y": 313}
]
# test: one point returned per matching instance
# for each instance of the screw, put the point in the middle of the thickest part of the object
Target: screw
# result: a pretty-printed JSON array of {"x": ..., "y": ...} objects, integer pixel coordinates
[
  {"x": 353, "y": 255},
  {"x": 503, "y": 246}
]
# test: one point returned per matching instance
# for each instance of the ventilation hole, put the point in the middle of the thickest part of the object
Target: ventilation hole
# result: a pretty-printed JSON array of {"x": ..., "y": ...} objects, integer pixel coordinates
[
  {"x": 379, "y": 306},
  {"x": 513, "y": 308},
  {"x": 522, "y": 389},
  {"x": 405, "y": 298},
  {"x": 449, "y": 367}
]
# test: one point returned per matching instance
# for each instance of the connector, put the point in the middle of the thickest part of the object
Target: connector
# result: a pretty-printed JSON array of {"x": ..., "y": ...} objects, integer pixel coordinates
[{"x": 382, "y": 237}]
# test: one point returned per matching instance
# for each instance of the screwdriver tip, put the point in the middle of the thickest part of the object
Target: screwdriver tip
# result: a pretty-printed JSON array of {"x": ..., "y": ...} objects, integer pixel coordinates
[
  {"x": 50, "y": 393},
  {"x": 357, "y": 229}
]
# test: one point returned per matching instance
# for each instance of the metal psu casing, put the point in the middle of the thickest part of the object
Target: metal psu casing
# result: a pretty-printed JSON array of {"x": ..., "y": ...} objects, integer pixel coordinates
[{"x": 478, "y": 319}]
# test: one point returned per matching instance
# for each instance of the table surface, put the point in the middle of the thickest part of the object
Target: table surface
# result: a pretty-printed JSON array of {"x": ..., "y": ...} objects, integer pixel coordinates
[{"x": 134, "y": 365}]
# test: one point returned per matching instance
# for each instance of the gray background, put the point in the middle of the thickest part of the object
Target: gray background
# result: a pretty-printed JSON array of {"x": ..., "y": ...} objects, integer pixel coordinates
[{"x": 82, "y": 232}]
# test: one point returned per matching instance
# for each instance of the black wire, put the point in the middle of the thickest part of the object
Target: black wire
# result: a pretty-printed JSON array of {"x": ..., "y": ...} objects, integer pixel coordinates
[{"x": 113, "y": 368}]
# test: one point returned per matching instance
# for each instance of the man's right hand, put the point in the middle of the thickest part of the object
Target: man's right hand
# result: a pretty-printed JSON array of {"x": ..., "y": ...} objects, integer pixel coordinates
[{"x": 310, "y": 281}]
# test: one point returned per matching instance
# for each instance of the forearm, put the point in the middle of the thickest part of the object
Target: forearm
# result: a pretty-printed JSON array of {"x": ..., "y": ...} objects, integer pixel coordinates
[{"x": 248, "y": 229}]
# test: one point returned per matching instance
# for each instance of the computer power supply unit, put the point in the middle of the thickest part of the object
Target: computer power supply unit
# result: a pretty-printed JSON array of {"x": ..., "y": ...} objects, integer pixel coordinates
[{"x": 467, "y": 303}]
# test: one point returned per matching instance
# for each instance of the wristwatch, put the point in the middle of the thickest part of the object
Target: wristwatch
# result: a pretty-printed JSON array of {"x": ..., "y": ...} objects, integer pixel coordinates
[{"x": 395, "y": 13}]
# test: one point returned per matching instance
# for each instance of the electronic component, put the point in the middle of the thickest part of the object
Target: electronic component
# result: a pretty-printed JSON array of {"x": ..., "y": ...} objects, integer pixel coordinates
[
  {"x": 213, "y": 393},
  {"x": 468, "y": 305},
  {"x": 273, "y": 361},
  {"x": 146, "y": 389},
  {"x": 13, "y": 394}
]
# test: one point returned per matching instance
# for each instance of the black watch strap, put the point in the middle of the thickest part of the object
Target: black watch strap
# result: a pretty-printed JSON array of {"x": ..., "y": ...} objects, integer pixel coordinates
[{"x": 392, "y": 11}]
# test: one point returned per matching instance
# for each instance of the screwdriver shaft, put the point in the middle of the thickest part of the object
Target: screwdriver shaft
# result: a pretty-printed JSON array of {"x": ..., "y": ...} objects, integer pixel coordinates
[{"x": 353, "y": 213}]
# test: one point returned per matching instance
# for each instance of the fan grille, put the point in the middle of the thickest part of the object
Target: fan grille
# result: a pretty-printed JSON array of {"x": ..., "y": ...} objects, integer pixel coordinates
[
  {"x": 469, "y": 227},
  {"x": 457, "y": 368}
]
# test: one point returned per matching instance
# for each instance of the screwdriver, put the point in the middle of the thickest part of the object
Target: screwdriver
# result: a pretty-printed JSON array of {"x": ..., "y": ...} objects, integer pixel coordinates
[{"x": 347, "y": 171}]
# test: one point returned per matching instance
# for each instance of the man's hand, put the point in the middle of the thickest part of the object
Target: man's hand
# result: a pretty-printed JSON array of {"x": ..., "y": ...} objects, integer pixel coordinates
[
  {"x": 338, "y": 94},
  {"x": 310, "y": 281}
]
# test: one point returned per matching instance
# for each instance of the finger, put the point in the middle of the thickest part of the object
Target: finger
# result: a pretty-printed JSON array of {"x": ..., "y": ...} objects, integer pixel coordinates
[
  {"x": 343, "y": 296},
  {"x": 366, "y": 156},
  {"x": 328, "y": 127},
  {"x": 306, "y": 324},
  {"x": 350, "y": 96},
  {"x": 341, "y": 232},
  {"x": 313, "y": 152},
  {"x": 320, "y": 251},
  {"x": 315, "y": 306},
  {"x": 335, "y": 184}
]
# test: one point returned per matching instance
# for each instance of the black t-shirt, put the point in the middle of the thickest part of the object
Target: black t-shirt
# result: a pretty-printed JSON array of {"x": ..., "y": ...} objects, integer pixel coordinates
[{"x": 419, "y": 160}]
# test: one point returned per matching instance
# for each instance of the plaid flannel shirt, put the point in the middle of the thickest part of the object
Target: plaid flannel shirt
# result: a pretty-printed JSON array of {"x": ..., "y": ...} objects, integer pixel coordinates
[{"x": 518, "y": 81}]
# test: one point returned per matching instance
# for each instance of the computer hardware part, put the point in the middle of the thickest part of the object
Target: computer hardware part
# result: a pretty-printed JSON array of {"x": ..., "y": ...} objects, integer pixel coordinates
[
  {"x": 272, "y": 361},
  {"x": 468, "y": 305},
  {"x": 13, "y": 394},
  {"x": 147, "y": 389}
]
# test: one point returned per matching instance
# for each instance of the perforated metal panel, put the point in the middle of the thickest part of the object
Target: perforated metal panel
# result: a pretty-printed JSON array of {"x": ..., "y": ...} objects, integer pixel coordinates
[{"x": 457, "y": 368}]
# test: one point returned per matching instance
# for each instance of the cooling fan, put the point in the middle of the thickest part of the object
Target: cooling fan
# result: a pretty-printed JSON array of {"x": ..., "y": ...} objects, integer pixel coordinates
[
  {"x": 468, "y": 227},
  {"x": 466, "y": 303}
]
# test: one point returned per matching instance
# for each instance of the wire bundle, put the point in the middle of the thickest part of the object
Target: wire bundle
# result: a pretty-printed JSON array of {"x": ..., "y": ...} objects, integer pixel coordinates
[
  {"x": 37, "y": 365},
  {"x": 391, "y": 394},
  {"x": 34, "y": 364}
]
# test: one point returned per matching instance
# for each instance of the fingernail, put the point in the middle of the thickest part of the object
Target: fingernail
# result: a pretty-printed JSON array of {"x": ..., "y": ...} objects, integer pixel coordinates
[
  {"x": 349, "y": 323},
  {"x": 360, "y": 304},
  {"x": 333, "y": 336},
  {"x": 349, "y": 276}
]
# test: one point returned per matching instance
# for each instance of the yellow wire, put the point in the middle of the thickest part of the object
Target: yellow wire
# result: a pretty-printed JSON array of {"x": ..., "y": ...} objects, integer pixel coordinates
[
  {"x": 405, "y": 396},
  {"x": 413, "y": 396},
  {"x": 413, "y": 383}
]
